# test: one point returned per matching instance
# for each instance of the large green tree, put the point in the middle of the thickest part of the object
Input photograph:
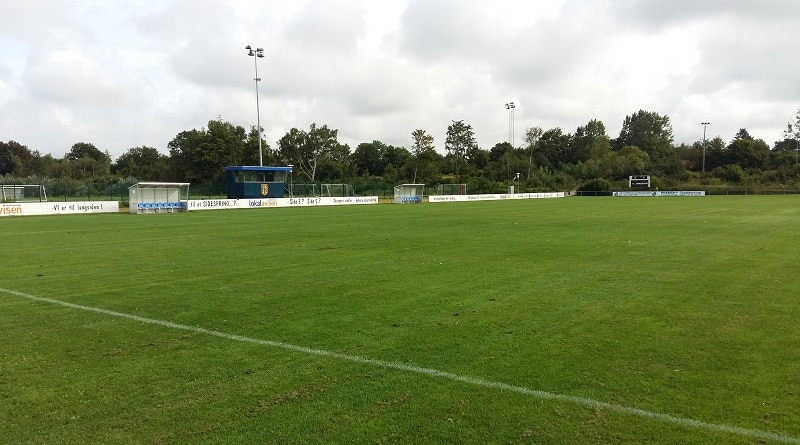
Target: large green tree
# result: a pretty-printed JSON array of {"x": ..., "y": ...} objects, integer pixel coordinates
[
  {"x": 588, "y": 141},
  {"x": 202, "y": 155},
  {"x": 793, "y": 130},
  {"x": 651, "y": 133},
  {"x": 532, "y": 135},
  {"x": 368, "y": 158},
  {"x": 14, "y": 158},
  {"x": 86, "y": 161},
  {"x": 143, "y": 163},
  {"x": 250, "y": 155},
  {"x": 506, "y": 161},
  {"x": 791, "y": 137},
  {"x": 715, "y": 155},
  {"x": 306, "y": 149},
  {"x": 186, "y": 157},
  {"x": 47, "y": 166},
  {"x": 396, "y": 158},
  {"x": 336, "y": 164},
  {"x": 422, "y": 153},
  {"x": 81, "y": 150},
  {"x": 460, "y": 138},
  {"x": 552, "y": 149},
  {"x": 747, "y": 152},
  {"x": 630, "y": 160}
]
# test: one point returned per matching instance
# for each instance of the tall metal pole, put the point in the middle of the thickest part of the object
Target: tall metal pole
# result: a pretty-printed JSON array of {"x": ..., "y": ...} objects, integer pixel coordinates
[
  {"x": 512, "y": 125},
  {"x": 291, "y": 184},
  {"x": 510, "y": 107},
  {"x": 704, "y": 124},
  {"x": 256, "y": 53}
]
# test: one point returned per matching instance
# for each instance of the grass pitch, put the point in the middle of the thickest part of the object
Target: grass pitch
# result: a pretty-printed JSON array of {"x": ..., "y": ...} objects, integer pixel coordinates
[{"x": 577, "y": 320}]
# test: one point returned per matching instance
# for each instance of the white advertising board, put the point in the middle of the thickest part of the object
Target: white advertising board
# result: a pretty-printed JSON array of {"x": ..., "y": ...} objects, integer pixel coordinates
[
  {"x": 58, "y": 208},
  {"x": 665, "y": 193},
  {"x": 493, "y": 197},
  {"x": 230, "y": 204}
]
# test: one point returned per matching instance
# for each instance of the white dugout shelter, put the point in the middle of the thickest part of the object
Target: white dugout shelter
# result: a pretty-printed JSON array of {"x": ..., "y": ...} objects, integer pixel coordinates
[
  {"x": 409, "y": 193},
  {"x": 158, "y": 197}
]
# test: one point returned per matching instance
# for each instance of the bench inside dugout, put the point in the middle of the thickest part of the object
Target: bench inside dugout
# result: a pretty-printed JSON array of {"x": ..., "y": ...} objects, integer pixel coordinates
[{"x": 158, "y": 197}]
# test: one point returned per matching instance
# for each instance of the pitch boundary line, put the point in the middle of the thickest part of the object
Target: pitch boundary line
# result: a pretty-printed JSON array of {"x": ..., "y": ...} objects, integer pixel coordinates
[{"x": 431, "y": 372}]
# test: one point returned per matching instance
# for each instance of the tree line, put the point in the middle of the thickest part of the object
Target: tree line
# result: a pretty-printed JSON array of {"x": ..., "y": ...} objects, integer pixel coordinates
[{"x": 587, "y": 159}]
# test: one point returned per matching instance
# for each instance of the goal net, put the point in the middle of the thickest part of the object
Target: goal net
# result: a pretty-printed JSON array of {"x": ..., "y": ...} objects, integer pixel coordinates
[
  {"x": 337, "y": 190},
  {"x": 451, "y": 189},
  {"x": 22, "y": 193},
  {"x": 302, "y": 189}
]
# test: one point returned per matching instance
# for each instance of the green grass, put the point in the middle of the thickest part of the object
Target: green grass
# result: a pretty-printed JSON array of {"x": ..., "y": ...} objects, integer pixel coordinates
[{"x": 685, "y": 307}]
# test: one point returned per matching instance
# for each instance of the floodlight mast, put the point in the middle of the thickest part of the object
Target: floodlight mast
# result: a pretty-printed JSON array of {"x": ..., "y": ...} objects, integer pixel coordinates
[
  {"x": 704, "y": 124},
  {"x": 256, "y": 54},
  {"x": 510, "y": 107}
]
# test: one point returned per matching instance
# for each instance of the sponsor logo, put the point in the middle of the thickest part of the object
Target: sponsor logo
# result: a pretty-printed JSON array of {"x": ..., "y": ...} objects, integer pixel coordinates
[
  {"x": 262, "y": 203},
  {"x": 11, "y": 210}
]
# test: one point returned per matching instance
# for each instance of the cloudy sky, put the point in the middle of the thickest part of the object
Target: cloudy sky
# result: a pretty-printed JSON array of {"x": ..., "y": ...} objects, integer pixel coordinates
[{"x": 121, "y": 74}]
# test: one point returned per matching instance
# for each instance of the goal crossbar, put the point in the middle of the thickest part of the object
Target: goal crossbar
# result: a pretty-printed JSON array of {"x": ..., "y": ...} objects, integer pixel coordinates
[{"x": 22, "y": 193}]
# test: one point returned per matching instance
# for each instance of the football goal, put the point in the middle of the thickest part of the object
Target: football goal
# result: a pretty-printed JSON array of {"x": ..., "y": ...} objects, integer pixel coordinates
[
  {"x": 451, "y": 189},
  {"x": 22, "y": 193},
  {"x": 302, "y": 190},
  {"x": 337, "y": 190}
]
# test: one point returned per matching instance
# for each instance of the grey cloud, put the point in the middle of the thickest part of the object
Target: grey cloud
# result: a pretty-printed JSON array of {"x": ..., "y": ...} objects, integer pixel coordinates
[
  {"x": 660, "y": 13},
  {"x": 144, "y": 71},
  {"x": 326, "y": 26},
  {"x": 440, "y": 31}
]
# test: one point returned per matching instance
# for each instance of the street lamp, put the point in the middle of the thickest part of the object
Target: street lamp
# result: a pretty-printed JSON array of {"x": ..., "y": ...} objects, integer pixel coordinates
[
  {"x": 256, "y": 54},
  {"x": 704, "y": 124},
  {"x": 510, "y": 107}
]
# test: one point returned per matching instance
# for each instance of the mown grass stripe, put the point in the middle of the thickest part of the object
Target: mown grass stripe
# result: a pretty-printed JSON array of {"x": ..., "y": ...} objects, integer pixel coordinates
[{"x": 582, "y": 401}]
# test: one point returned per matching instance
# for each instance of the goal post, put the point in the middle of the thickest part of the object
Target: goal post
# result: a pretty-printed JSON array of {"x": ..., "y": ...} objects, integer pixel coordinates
[
  {"x": 22, "y": 193},
  {"x": 298, "y": 189},
  {"x": 451, "y": 189},
  {"x": 336, "y": 190}
]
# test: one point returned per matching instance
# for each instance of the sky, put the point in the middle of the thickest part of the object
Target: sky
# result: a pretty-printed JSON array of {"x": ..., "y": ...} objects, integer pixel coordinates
[{"x": 128, "y": 73}]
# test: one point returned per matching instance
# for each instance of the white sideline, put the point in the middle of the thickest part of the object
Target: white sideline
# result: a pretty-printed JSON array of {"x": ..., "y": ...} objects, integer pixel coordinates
[{"x": 698, "y": 424}]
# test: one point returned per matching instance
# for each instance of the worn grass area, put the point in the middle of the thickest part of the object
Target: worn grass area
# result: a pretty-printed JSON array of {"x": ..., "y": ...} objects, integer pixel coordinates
[{"x": 684, "y": 307}]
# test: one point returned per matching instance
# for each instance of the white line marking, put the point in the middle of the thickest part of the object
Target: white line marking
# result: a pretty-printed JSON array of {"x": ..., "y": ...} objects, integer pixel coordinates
[{"x": 666, "y": 418}]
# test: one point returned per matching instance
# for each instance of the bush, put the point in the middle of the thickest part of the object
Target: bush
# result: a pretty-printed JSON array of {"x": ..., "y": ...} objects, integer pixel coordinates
[
  {"x": 480, "y": 185},
  {"x": 730, "y": 173},
  {"x": 597, "y": 186}
]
